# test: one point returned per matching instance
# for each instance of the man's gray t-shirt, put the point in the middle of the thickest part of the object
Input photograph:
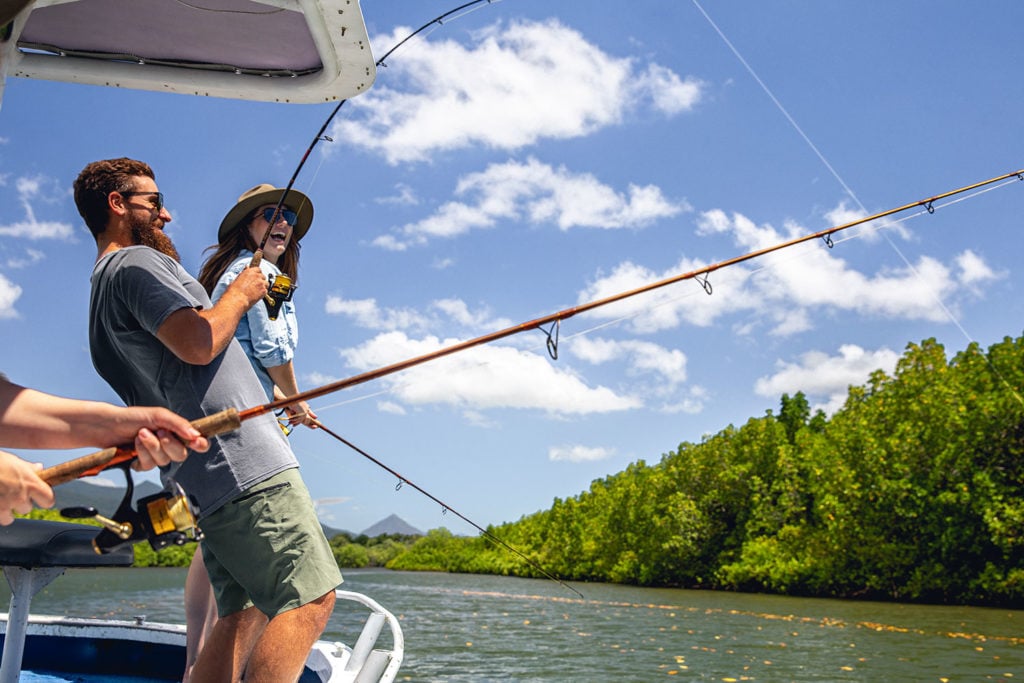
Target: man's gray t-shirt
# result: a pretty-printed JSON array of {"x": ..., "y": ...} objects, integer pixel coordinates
[{"x": 134, "y": 290}]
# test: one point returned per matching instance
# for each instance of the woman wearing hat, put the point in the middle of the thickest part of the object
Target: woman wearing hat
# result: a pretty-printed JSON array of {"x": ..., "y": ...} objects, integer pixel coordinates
[
  {"x": 269, "y": 343},
  {"x": 269, "y": 340}
]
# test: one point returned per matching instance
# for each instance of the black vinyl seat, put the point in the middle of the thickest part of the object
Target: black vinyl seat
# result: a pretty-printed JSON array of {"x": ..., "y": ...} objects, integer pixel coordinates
[{"x": 34, "y": 552}]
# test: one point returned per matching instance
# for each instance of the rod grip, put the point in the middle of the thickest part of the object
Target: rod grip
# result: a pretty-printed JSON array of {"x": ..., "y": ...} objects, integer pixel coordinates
[
  {"x": 218, "y": 423},
  {"x": 94, "y": 463}
]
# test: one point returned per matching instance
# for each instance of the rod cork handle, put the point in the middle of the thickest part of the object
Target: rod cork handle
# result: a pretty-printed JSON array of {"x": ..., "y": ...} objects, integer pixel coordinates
[
  {"x": 219, "y": 423},
  {"x": 94, "y": 463}
]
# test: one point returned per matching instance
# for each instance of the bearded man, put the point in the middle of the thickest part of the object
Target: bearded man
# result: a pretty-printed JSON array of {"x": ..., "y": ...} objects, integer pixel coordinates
[{"x": 157, "y": 340}]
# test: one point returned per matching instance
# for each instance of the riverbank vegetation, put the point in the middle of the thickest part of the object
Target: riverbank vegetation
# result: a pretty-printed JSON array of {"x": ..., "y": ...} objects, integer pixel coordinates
[{"x": 912, "y": 491}]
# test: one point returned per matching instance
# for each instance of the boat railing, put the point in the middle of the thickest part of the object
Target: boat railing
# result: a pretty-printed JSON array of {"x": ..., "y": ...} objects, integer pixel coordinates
[{"x": 364, "y": 662}]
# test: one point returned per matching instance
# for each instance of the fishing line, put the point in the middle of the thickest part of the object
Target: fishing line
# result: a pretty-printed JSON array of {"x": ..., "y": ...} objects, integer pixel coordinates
[
  {"x": 469, "y": 7},
  {"x": 445, "y": 507},
  {"x": 781, "y": 260},
  {"x": 320, "y": 135},
  {"x": 835, "y": 174},
  {"x": 866, "y": 225},
  {"x": 232, "y": 418}
]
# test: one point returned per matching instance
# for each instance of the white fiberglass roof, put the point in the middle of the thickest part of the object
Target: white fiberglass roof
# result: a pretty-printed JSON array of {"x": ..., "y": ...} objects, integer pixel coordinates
[{"x": 269, "y": 50}]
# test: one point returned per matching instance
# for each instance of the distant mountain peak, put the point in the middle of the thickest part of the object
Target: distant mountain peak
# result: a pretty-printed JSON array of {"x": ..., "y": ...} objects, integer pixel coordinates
[{"x": 392, "y": 524}]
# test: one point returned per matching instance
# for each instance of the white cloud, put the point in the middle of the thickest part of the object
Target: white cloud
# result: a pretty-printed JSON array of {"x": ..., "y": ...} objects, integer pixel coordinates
[
  {"x": 671, "y": 95},
  {"x": 820, "y": 375},
  {"x": 31, "y": 190},
  {"x": 498, "y": 92},
  {"x": 483, "y": 377},
  {"x": 457, "y": 311},
  {"x": 30, "y": 258},
  {"x": 668, "y": 307},
  {"x": 871, "y": 230},
  {"x": 390, "y": 407},
  {"x": 974, "y": 270},
  {"x": 538, "y": 193},
  {"x": 318, "y": 379},
  {"x": 579, "y": 453},
  {"x": 404, "y": 196},
  {"x": 9, "y": 295},
  {"x": 368, "y": 314},
  {"x": 691, "y": 403},
  {"x": 641, "y": 357},
  {"x": 321, "y": 505}
]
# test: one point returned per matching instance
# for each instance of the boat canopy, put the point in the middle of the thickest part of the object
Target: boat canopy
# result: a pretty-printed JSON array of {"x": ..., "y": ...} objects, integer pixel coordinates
[{"x": 303, "y": 51}]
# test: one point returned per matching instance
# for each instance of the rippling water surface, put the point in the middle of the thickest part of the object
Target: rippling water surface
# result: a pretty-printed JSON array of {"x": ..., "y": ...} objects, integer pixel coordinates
[{"x": 484, "y": 628}]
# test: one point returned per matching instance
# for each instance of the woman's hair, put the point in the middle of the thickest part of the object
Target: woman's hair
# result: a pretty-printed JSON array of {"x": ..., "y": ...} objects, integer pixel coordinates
[{"x": 238, "y": 239}]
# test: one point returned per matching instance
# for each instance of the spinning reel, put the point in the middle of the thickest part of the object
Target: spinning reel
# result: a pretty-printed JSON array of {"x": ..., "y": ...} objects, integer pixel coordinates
[
  {"x": 163, "y": 519},
  {"x": 281, "y": 290}
]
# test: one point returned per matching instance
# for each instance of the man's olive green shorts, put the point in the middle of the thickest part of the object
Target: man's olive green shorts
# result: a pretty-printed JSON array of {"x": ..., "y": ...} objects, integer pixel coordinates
[{"x": 267, "y": 548}]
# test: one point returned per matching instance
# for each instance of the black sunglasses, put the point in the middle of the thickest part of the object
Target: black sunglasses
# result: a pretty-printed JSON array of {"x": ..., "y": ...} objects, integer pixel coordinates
[
  {"x": 158, "y": 204},
  {"x": 288, "y": 215}
]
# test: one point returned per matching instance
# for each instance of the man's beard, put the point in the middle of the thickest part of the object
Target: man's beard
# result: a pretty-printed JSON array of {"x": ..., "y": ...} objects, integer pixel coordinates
[{"x": 145, "y": 234}]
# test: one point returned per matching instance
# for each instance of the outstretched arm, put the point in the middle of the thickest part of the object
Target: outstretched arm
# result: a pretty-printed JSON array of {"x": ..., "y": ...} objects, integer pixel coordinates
[{"x": 33, "y": 419}]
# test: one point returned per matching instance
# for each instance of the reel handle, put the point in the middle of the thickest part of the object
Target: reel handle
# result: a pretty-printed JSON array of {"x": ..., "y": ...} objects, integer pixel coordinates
[{"x": 94, "y": 463}]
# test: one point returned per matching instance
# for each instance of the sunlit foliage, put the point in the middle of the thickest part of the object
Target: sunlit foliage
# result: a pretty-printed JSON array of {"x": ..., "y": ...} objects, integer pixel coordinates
[{"x": 914, "y": 491}]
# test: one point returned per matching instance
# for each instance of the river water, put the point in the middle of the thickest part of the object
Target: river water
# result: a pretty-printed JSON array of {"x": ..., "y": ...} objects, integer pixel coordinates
[{"x": 463, "y": 628}]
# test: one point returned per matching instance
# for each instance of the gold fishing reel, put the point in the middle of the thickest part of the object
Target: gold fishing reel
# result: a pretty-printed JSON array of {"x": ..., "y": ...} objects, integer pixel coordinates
[
  {"x": 163, "y": 519},
  {"x": 167, "y": 517},
  {"x": 280, "y": 290}
]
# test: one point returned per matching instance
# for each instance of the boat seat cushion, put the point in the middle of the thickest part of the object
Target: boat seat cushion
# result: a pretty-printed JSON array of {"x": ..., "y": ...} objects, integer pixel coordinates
[{"x": 33, "y": 543}]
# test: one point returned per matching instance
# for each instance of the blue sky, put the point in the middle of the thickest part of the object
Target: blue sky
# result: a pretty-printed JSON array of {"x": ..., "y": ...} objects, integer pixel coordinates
[{"x": 532, "y": 156}]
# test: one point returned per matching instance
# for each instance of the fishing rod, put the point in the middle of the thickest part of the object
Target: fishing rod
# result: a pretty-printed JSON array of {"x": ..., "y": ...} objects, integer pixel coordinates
[
  {"x": 232, "y": 418},
  {"x": 167, "y": 518},
  {"x": 280, "y": 286},
  {"x": 445, "y": 507},
  {"x": 320, "y": 133}
]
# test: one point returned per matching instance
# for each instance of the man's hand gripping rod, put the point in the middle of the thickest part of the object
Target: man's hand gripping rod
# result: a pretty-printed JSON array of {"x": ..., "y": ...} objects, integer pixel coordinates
[{"x": 94, "y": 463}]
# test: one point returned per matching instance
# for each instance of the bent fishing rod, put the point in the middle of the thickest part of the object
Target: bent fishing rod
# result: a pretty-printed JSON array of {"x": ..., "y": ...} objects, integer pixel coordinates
[
  {"x": 232, "y": 418},
  {"x": 439, "y": 20},
  {"x": 280, "y": 286}
]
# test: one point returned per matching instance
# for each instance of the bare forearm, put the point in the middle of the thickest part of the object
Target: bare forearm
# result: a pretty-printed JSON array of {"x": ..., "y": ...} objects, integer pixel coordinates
[
  {"x": 284, "y": 378},
  {"x": 32, "y": 419},
  {"x": 199, "y": 336},
  {"x": 285, "y": 385}
]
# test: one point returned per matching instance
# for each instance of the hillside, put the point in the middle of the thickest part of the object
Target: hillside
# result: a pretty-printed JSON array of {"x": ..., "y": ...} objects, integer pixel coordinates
[{"x": 392, "y": 525}]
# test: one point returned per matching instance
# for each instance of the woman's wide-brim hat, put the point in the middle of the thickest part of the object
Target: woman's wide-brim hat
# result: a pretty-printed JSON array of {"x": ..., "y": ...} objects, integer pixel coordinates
[{"x": 268, "y": 194}]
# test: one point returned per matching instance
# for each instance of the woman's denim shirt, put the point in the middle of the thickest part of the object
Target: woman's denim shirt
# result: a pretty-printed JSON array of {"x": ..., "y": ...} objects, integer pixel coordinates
[{"x": 267, "y": 343}]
